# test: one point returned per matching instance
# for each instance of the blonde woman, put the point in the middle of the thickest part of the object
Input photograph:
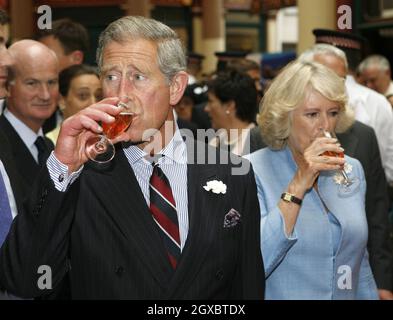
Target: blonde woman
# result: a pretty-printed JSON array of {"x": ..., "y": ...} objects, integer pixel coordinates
[{"x": 313, "y": 237}]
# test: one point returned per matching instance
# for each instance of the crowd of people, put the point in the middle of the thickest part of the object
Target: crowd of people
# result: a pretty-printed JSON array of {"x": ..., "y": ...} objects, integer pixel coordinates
[{"x": 173, "y": 216}]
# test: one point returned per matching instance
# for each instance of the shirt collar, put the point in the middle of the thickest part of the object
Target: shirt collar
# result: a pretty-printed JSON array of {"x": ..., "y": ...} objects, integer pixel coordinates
[
  {"x": 27, "y": 135},
  {"x": 350, "y": 79},
  {"x": 174, "y": 152}
]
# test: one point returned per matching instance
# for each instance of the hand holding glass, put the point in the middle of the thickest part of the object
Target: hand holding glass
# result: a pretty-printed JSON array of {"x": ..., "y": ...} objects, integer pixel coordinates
[
  {"x": 347, "y": 185},
  {"x": 99, "y": 148}
]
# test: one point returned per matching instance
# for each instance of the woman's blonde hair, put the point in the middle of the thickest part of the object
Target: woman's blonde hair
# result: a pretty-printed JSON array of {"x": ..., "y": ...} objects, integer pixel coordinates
[{"x": 288, "y": 91}]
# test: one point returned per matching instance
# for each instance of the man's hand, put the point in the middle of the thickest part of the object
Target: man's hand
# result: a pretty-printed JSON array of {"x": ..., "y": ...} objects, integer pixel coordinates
[
  {"x": 76, "y": 130},
  {"x": 385, "y": 294}
]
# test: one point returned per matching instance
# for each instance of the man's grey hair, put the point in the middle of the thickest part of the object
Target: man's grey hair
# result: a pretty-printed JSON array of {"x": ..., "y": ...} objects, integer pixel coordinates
[
  {"x": 323, "y": 49},
  {"x": 170, "y": 51},
  {"x": 374, "y": 60}
]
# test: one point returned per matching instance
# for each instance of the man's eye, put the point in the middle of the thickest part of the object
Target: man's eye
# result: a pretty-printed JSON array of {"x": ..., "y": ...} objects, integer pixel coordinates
[
  {"x": 52, "y": 82},
  {"x": 111, "y": 77},
  {"x": 32, "y": 83},
  {"x": 139, "y": 77}
]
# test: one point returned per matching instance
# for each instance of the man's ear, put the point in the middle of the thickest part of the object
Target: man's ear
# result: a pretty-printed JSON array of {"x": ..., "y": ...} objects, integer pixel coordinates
[
  {"x": 77, "y": 57},
  {"x": 177, "y": 87}
]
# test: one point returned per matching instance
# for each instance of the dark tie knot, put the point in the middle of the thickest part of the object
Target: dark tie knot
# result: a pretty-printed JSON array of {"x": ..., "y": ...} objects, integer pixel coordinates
[
  {"x": 40, "y": 144},
  {"x": 43, "y": 150},
  {"x": 158, "y": 171}
]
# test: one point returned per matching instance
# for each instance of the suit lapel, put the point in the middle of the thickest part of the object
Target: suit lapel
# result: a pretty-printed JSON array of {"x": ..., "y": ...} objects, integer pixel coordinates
[
  {"x": 8, "y": 162},
  {"x": 133, "y": 217},
  {"x": 25, "y": 163}
]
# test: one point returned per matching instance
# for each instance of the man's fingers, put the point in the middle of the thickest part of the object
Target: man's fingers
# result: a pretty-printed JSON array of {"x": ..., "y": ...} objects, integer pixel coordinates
[{"x": 89, "y": 124}]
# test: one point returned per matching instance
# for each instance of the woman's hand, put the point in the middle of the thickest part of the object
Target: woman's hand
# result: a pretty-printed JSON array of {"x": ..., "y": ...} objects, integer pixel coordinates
[
  {"x": 314, "y": 160},
  {"x": 310, "y": 164},
  {"x": 74, "y": 132}
]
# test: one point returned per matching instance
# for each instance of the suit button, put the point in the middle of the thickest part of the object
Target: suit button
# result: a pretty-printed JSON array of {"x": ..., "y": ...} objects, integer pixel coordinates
[
  {"x": 44, "y": 193},
  {"x": 119, "y": 271},
  {"x": 219, "y": 274}
]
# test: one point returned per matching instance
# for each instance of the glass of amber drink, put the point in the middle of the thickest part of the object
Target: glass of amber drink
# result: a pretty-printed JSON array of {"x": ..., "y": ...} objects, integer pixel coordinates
[
  {"x": 100, "y": 149},
  {"x": 347, "y": 185}
]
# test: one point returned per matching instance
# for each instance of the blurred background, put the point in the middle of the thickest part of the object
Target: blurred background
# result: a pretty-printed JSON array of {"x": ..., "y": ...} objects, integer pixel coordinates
[{"x": 272, "y": 29}]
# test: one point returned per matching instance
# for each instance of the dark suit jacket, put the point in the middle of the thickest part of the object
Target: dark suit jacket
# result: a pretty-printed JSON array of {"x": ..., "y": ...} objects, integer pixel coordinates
[
  {"x": 360, "y": 142},
  {"x": 24, "y": 162},
  {"x": 104, "y": 224},
  {"x": 22, "y": 171}
]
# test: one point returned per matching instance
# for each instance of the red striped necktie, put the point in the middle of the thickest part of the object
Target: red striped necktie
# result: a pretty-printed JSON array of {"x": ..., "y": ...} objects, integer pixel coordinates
[{"x": 163, "y": 209}]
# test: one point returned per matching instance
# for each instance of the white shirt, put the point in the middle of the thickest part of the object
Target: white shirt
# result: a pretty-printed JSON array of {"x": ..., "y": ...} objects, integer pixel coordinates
[
  {"x": 27, "y": 135},
  {"x": 374, "y": 109},
  {"x": 8, "y": 188}
]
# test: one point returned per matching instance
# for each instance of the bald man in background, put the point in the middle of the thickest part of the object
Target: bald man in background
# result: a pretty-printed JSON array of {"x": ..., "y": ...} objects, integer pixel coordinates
[{"x": 32, "y": 97}]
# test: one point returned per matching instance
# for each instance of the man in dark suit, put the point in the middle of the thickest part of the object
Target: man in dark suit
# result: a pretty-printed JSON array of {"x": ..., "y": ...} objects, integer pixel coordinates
[
  {"x": 360, "y": 142},
  {"x": 32, "y": 98},
  {"x": 157, "y": 222}
]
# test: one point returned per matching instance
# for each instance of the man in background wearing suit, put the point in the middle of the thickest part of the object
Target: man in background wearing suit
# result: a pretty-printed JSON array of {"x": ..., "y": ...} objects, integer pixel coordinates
[
  {"x": 32, "y": 98},
  {"x": 155, "y": 223}
]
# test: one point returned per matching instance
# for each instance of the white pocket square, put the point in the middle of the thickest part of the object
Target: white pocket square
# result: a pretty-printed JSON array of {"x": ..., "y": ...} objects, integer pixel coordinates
[{"x": 232, "y": 218}]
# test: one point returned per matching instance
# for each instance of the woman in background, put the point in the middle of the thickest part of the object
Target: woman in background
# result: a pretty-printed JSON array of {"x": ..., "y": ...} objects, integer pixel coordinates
[
  {"x": 232, "y": 108},
  {"x": 79, "y": 87}
]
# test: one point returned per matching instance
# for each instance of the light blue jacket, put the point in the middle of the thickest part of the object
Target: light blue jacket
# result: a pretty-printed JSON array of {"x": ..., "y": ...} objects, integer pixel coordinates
[{"x": 303, "y": 265}]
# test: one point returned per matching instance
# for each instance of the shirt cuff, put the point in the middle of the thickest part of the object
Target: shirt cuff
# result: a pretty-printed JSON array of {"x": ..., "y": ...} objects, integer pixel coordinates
[{"x": 59, "y": 173}]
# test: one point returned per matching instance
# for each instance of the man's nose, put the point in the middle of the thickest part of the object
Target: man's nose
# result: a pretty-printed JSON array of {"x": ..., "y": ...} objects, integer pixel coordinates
[
  {"x": 125, "y": 88},
  {"x": 44, "y": 93}
]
